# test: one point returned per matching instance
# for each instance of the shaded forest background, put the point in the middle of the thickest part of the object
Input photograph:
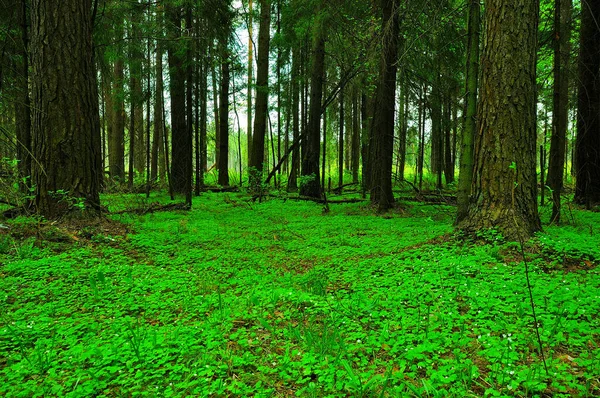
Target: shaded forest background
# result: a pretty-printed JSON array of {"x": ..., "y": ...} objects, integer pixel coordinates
[{"x": 310, "y": 96}]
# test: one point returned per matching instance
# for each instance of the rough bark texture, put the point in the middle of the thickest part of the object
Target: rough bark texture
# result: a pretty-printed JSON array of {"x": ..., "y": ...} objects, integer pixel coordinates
[
  {"x": 341, "y": 143},
  {"x": 66, "y": 121},
  {"x": 157, "y": 139},
  {"x": 504, "y": 178},
  {"x": 382, "y": 127},
  {"x": 465, "y": 176},
  {"x": 224, "y": 117},
  {"x": 249, "y": 137},
  {"x": 293, "y": 178},
  {"x": 587, "y": 151},
  {"x": 257, "y": 153},
  {"x": 22, "y": 106},
  {"x": 116, "y": 140},
  {"x": 560, "y": 110},
  {"x": 310, "y": 161},
  {"x": 180, "y": 155},
  {"x": 355, "y": 163}
]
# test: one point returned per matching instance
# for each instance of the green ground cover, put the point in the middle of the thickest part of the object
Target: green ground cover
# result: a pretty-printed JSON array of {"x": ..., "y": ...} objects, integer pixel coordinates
[{"x": 282, "y": 299}]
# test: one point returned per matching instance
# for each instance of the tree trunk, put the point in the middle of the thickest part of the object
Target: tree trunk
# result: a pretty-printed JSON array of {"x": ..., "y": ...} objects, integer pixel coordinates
[
  {"x": 310, "y": 162},
  {"x": 216, "y": 107},
  {"x": 262, "y": 97},
  {"x": 66, "y": 121},
  {"x": 587, "y": 150},
  {"x": 355, "y": 152},
  {"x": 250, "y": 79},
  {"x": 180, "y": 140},
  {"x": 465, "y": 176},
  {"x": 382, "y": 127},
  {"x": 341, "y": 143},
  {"x": 116, "y": 142},
  {"x": 504, "y": 183},
  {"x": 293, "y": 178},
  {"x": 22, "y": 105},
  {"x": 189, "y": 114},
  {"x": 560, "y": 110},
  {"x": 223, "y": 179},
  {"x": 157, "y": 139}
]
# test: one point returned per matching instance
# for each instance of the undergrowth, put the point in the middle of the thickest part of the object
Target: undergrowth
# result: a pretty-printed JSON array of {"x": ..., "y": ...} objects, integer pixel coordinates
[{"x": 280, "y": 299}]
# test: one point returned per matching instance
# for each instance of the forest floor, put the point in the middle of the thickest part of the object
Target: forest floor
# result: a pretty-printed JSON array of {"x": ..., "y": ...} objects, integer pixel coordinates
[{"x": 281, "y": 298}]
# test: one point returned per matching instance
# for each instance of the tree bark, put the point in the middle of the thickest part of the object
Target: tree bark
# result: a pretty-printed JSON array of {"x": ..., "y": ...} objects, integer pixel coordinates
[
  {"x": 293, "y": 178},
  {"x": 262, "y": 97},
  {"x": 157, "y": 139},
  {"x": 223, "y": 178},
  {"x": 66, "y": 121},
  {"x": 382, "y": 127},
  {"x": 116, "y": 142},
  {"x": 22, "y": 105},
  {"x": 465, "y": 176},
  {"x": 504, "y": 177},
  {"x": 587, "y": 146},
  {"x": 180, "y": 140},
  {"x": 560, "y": 108},
  {"x": 310, "y": 162}
]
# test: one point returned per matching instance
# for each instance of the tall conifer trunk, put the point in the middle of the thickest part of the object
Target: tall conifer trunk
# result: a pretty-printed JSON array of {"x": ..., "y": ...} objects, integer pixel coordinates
[
  {"x": 504, "y": 177},
  {"x": 66, "y": 120},
  {"x": 382, "y": 127}
]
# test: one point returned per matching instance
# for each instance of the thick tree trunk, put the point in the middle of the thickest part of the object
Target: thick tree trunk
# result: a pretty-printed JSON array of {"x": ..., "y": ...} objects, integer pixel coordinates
[
  {"x": 66, "y": 121},
  {"x": 180, "y": 140},
  {"x": 262, "y": 97},
  {"x": 504, "y": 178},
  {"x": 560, "y": 109},
  {"x": 310, "y": 162},
  {"x": 465, "y": 177},
  {"x": 587, "y": 150},
  {"x": 382, "y": 127}
]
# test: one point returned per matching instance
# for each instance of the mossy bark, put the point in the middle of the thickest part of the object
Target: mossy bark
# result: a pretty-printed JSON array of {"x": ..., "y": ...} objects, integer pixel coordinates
[{"x": 504, "y": 176}]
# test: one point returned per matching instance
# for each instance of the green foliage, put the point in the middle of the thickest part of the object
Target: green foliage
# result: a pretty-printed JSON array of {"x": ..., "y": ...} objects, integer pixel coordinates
[{"x": 275, "y": 299}]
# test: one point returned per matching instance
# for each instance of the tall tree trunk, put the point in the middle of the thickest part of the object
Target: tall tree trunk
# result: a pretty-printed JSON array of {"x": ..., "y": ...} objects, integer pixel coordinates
[
  {"x": 465, "y": 177},
  {"x": 560, "y": 109},
  {"x": 587, "y": 150},
  {"x": 157, "y": 139},
  {"x": 262, "y": 97},
  {"x": 382, "y": 126},
  {"x": 341, "y": 142},
  {"x": 250, "y": 79},
  {"x": 504, "y": 177},
  {"x": 355, "y": 152},
  {"x": 293, "y": 178},
  {"x": 310, "y": 162},
  {"x": 180, "y": 140},
  {"x": 224, "y": 116},
  {"x": 217, "y": 119},
  {"x": 203, "y": 115},
  {"x": 364, "y": 144},
  {"x": 189, "y": 115},
  {"x": 22, "y": 106},
  {"x": 448, "y": 164},
  {"x": 116, "y": 142},
  {"x": 66, "y": 121}
]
